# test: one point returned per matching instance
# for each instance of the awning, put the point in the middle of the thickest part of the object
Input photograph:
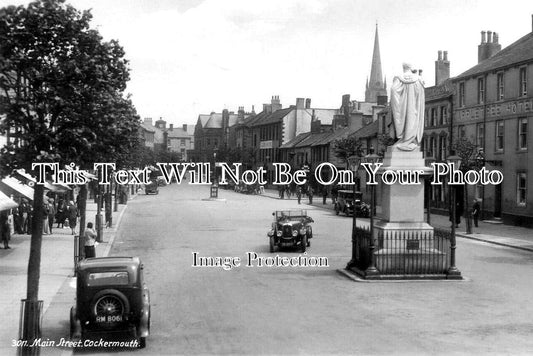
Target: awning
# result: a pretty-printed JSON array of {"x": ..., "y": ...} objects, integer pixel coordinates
[
  {"x": 11, "y": 185},
  {"x": 54, "y": 187},
  {"x": 6, "y": 202}
]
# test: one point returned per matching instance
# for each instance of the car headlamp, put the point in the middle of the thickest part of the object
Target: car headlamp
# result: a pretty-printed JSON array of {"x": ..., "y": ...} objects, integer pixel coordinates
[
  {"x": 279, "y": 233},
  {"x": 302, "y": 231},
  {"x": 294, "y": 233}
]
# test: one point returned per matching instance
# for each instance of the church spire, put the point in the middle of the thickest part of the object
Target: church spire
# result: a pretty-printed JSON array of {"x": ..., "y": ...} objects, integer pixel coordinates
[{"x": 375, "y": 86}]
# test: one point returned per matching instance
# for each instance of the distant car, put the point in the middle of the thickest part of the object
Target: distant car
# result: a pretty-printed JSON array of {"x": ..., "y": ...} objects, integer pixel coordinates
[
  {"x": 347, "y": 204},
  {"x": 111, "y": 297},
  {"x": 291, "y": 228},
  {"x": 151, "y": 188}
]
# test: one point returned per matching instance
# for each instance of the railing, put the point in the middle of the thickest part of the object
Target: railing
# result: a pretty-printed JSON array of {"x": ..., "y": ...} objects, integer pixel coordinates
[{"x": 407, "y": 253}]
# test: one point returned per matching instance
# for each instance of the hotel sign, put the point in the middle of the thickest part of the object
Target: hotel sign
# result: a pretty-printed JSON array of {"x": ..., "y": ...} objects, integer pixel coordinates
[
  {"x": 266, "y": 144},
  {"x": 496, "y": 110}
]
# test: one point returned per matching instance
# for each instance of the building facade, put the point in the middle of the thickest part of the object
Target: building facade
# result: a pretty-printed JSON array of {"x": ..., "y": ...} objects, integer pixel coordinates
[{"x": 493, "y": 106}]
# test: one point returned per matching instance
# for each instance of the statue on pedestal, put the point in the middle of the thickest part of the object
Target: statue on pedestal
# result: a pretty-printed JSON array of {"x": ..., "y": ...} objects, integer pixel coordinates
[{"x": 407, "y": 103}]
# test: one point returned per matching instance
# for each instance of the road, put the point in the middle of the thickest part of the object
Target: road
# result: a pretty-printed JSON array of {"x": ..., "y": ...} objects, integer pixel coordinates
[{"x": 298, "y": 310}]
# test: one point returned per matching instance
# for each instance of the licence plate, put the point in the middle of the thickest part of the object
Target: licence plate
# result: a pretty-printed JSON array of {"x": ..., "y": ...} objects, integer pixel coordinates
[{"x": 109, "y": 319}]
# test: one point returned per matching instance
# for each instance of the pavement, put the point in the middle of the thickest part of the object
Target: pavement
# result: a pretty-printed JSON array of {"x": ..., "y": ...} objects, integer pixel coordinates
[
  {"x": 57, "y": 282},
  {"x": 487, "y": 231}
]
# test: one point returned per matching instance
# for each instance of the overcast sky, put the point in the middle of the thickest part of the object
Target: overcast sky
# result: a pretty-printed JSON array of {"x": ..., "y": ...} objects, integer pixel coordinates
[{"x": 196, "y": 56}]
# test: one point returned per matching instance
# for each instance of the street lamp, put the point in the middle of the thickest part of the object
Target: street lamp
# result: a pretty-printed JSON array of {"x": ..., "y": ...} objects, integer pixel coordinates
[
  {"x": 453, "y": 270},
  {"x": 354, "y": 162},
  {"x": 372, "y": 158},
  {"x": 429, "y": 190}
]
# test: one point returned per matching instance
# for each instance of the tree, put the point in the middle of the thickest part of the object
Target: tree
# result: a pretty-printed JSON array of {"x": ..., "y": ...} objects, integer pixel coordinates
[
  {"x": 62, "y": 87},
  {"x": 348, "y": 146},
  {"x": 468, "y": 151}
]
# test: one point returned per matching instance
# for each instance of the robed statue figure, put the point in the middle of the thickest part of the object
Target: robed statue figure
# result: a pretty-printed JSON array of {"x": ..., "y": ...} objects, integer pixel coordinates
[{"x": 407, "y": 103}]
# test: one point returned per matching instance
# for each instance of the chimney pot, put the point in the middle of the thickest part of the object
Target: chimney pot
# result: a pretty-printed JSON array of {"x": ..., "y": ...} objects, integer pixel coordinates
[
  {"x": 171, "y": 127},
  {"x": 495, "y": 38},
  {"x": 440, "y": 56},
  {"x": 445, "y": 55},
  {"x": 489, "y": 36},
  {"x": 483, "y": 37}
]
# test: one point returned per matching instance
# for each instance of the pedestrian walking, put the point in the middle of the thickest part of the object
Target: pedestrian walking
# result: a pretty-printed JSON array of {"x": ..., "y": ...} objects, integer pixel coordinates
[
  {"x": 89, "y": 238},
  {"x": 299, "y": 194},
  {"x": 72, "y": 216},
  {"x": 23, "y": 213},
  {"x": 46, "y": 209},
  {"x": 281, "y": 192},
  {"x": 60, "y": 214},
  {"x": 288, "y": 191},
  {"x": 5, "y": 230},
  {"x": 310, "y": 192},
  {"x": 475, "y": 212},
  {"x": 334, "y": 193},
  {"x": 324, "y": 195},
  {"x": 51, "y": 214}
]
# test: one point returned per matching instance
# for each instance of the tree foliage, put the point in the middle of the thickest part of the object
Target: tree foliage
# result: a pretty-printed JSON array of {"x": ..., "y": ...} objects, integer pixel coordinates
[
  {"x": 62, "y": 89},
  {"x": 348, "y": 146}
]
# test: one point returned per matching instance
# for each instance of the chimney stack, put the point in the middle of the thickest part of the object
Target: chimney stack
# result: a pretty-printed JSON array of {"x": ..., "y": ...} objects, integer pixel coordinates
[
  {"x": 300, "y": 103},
  {"x": 171, "y": 127},
  {"x": 184, "y": 127},
  {"x": 442, "y": 68},
  {"x": 487, "y": 49},
  {"x": 276, "y": 105}
]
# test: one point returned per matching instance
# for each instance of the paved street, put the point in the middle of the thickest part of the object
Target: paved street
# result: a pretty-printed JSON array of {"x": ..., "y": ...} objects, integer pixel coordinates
[{"x": 310, "y": 310}]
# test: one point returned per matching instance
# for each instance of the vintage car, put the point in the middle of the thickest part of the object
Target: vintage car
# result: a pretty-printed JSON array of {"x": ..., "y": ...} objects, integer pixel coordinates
[
  {"x": 345, "y": 203},
  {"x": 111, "y": 297},
  {"x": 291, "y": 228},
  {"x": 151, "y": 188}
]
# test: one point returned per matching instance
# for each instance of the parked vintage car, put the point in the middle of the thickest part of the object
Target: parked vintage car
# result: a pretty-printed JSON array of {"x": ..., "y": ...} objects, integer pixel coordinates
[
  {"x": 151, "y": 188},
  {"x": 291, "y": 228},
  {"x": 345, "y": 203},
  {"x": 111, "y": 297}
]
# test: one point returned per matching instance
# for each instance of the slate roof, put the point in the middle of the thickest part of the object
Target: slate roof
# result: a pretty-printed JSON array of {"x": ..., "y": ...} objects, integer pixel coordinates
[
  {"x": 368, "y": 130},
  {"x": 296, "y": 140},
  {"x": 517, "y": 52},
  {"x": 275, "y": 117},
  {"x": 178, "y": 133},
  {"x": 147, "y": 127}
]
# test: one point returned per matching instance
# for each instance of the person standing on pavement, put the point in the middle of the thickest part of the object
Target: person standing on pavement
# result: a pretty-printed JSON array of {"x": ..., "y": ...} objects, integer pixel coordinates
[
  {"x": 475, "y": 212},
  {"x": 310, "y": 193},
  {"x": 299, "y": 194},
  {"x": 46, "y": 209},
  {"x": 5, "y": 233},
  {"x": 89, "y": 237},
  {"x": 51, "y": 214},
  {"x": 324, "y": 194},
  {"x": 72, "y": 216}
]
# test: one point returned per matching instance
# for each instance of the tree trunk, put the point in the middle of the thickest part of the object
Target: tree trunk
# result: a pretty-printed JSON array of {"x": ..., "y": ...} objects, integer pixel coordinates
[
  {"x": 34, "y": 262},
  {"x": 31, "y": 322}
]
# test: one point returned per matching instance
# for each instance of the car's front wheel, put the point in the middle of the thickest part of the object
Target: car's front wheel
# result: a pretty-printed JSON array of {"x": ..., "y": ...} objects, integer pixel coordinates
[
  {"x": 271, "y": 244},
  {"x": 304, "y": 242}
]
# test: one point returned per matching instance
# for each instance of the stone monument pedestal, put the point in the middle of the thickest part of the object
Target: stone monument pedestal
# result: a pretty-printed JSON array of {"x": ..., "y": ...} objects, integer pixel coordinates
[{"x": 405, "y": 243}]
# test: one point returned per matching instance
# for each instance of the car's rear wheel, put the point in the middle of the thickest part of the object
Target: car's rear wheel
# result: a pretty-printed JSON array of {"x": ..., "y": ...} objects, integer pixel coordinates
[
  {"x": 109, "y": 307},
  {"x": 304, "y": 242},
  {"x": 336, "y": 210}
]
